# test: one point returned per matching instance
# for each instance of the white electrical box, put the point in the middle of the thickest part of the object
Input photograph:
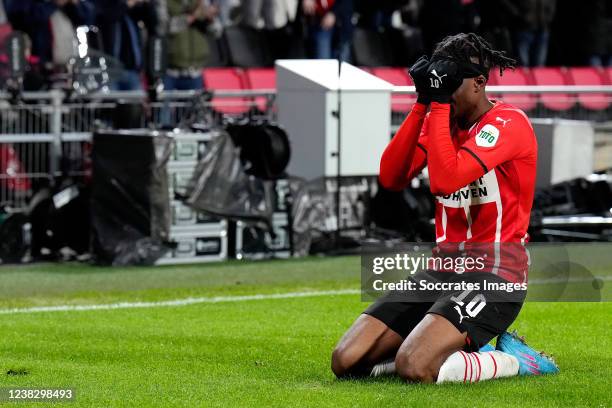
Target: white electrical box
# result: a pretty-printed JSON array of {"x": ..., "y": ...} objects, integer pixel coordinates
[
  {"x": 307, "y": 101},
  {"x": 565, "y": 150}
]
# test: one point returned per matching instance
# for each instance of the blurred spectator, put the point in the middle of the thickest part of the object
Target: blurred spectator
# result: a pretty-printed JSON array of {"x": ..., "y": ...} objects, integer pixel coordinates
[
  {"x": 496, "y": 22},
  {"x": 186, "y": 23},
  {"x": 605, "y": 57},
  {"x": 2, "y": 13},
  {"x": 377, "y": 15},
  {"x": 119, "y": 24},
  {"x": 598, "y": 41},
  {"x": 344, "y": 29},
  {"x": 50, "y": 25},
  {"x": 440, "y": 18},
  {"x": 278, "y": 20},
  {"x": 228, "y": 11},
  {"x": 533, "y": 31},
  {"x": 329, "y": 28},
  {"x": 269, "y": 14},
  {"x": 33, "y": 78},
  {"x": 393, "y": 24}
]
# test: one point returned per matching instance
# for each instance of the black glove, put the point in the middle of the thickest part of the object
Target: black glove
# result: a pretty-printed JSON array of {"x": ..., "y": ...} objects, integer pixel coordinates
[
  {"x": 420, "y": 76},
  {"x": 444, "y": 77}
]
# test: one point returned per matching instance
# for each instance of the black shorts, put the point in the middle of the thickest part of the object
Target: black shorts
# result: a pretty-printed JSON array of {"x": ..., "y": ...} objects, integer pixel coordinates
[{"x": 482, "y": 314}]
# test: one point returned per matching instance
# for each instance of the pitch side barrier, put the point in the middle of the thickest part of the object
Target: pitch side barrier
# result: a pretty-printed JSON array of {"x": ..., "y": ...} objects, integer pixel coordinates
[
  {"x": 578, "y": 102},
  {"x": 532, "y": 89},
  {"x": 501, "y": 272},
  {"x": 50, "y": 132},
  {"x": 45, "y": 136}
]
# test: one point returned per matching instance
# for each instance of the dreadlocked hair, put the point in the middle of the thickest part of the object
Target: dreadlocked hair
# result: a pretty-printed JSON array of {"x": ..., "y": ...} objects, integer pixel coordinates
[{"x": 464, "y": 47}]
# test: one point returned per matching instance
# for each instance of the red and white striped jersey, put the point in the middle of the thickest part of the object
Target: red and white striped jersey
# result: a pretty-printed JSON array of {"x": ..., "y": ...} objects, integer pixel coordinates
[{"x": 496, "y": 207}]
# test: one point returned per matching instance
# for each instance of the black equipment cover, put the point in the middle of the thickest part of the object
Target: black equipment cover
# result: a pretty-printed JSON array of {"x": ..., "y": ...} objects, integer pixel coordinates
[{"x": 130, "y": 203}]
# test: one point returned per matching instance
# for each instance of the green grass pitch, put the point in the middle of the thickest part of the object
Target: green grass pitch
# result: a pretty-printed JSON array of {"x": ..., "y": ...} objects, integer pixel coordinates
[{"x": 271, "y": 352}]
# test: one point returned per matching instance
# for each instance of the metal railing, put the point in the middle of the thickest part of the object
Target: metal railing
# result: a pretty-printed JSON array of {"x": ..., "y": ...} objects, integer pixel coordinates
[
  {"x": 44, "y": 135},
  {"x": 581, "y": 102},
  {"x": 530, "y": 89}
]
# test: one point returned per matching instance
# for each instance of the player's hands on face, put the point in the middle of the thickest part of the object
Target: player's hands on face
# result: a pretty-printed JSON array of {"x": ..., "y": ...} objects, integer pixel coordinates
[
  {"x": 420, "y": 76},
  {"x": 444, "y": 78}
]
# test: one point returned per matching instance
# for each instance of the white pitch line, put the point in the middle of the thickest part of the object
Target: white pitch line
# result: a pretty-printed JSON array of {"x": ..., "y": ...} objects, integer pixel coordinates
[
  {"x": 225, "y": 299},
  {"x": 176, "y": 302}
]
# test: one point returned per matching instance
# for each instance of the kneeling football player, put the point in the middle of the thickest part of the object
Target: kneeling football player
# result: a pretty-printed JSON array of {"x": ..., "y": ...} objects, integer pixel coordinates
[{"x": 468, "y": 142}]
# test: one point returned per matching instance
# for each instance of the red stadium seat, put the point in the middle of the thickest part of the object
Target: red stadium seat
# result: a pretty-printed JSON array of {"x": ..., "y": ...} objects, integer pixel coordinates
[
  {"x": 5, "y": 31},
  {"x": 226, "y": 79},
  {"x": 590, "y": 76},
  {"x": 258, "y": 79},
  {"x": 608, "y": 76},
  {"x": 518, "y": 77},
  {"x": 397, "y": 77},
  {"x": 553, "y": 76}
]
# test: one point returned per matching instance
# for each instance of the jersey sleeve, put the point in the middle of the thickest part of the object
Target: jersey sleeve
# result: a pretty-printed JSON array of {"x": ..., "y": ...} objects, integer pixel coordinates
[
  {"x": 504, "y": 137},
  {"x": 419, "y": 160},
  {"x": 451, "y": 168},
  {"x": 404, "y": 156},
  {"x": 422, "y": 141}
]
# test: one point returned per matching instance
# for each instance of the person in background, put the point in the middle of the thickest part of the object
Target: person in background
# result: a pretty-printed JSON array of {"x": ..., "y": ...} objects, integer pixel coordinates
[
  {"x": 532, "y": 31},
  {"x": 186, "y": 23},
  {"x": 598, "y": 33},
  {"x": 378, "y": 15},
  {"x": 440, "y": 18},
  {"x": 228, "y": 9},
  {"x": 269, "y": 14},
  {"x": 3, "y": 19},
  {"x": 278, "y": 20},
  {"x": 33, "y": 78},
  {"x": 50, "y": 25},
  {"x": 605, "y": 58},
  {"x": 496, "y": 19},
  {"x": 326, "y": 21},
  {"x": 121, "y": 37}
]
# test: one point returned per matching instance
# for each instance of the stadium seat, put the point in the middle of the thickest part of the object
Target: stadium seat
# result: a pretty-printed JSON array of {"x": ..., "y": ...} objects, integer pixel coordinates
[
  {"x": 398, "y": 77},
  {"x": 608, "y": 76},
  {"x": 371, "y": 49},
  {"x": 5, "y": 31},
  {"x": 553, "y": 76},
  {"x": 590, "y": 76},
  {"x": 247, "y": 47},
  {"x": 261, "y": 78},
  {"x": 226, "y": 79},
  {"x": 519, "y": 77}
]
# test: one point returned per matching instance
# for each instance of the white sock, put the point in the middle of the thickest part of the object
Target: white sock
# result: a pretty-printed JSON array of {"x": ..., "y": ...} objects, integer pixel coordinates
[
  {"x": 385, "y": 368},
  {"x": 474, "y": 367}
]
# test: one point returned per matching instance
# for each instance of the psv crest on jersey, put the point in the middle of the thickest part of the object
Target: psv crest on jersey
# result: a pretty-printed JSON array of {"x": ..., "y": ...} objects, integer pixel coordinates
[{"x": 488, "y": 136}]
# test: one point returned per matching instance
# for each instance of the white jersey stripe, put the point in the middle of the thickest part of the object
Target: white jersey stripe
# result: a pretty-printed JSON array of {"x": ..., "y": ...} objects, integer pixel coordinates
[
  {"x": 468, "y": 217},
  {"x": 498, "y": 225},
  {"x": 443, "y": 237}
]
